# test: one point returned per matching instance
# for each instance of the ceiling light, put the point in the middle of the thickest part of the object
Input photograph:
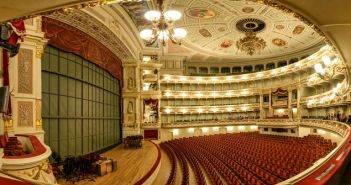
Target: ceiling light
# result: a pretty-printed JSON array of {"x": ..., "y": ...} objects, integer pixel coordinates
[
  {"x": 244, "y": 108},
  {"x": 163, "y": 26},
  {"x": 175, "y": 132},
  {"x": 244, "y": 77},
  {"x": 204, "y": 129},
  {"x": 183, "y": 78},
  {"x": 251, "y": 44},
  {"x": 259, "y": 74},
  {"x": 146, "y": 58},
  {"x": 214, "y": 94},
  {"x": 326, "y": 60},
  {"x": 167, "y": 78},
  {"x": 199, "y": 94},
  {"x": 230, "y": 128},
  {"x": 241, "y": 127},
  {"x": 199, "y": 110},
  {"x": 168, "y": 111}
]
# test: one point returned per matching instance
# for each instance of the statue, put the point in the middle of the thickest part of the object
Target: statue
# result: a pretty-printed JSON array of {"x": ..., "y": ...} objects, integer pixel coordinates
[
  {"x": 10, "y": 33},
  {"x": 130, "y": 107},
  {"x": 130, "y": 84}
]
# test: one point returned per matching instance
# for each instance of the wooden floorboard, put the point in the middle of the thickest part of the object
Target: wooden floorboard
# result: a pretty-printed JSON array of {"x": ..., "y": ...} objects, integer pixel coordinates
[{"x": 132, "y": 165}]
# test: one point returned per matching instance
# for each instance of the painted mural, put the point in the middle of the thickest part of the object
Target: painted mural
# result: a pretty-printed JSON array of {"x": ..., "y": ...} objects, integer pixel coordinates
[
  {"x": 279, "y": 42},
  {"x": 298, "y": 29},
  {"x": 226, "y": 43},
  {"x": 280, "y": 27},
  {"x": 248, "y": 10},
  {"x": 201, "y": 13},
  {"x": 222, "y": 29},
  {"x": 136, "y": 11},
  {"x": 205, "y": 33}
]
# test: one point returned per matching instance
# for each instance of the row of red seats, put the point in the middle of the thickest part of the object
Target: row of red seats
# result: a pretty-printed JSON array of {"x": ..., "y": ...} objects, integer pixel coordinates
[
  {"x": 183, "y": 164},
  {"x": 171, "y": 156},
  {"x": 251, "y": 157},
  {"x": 199, "y": 176}
]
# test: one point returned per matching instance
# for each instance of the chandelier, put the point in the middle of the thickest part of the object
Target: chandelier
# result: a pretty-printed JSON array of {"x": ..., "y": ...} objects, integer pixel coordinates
[
  {"x": 250, "y": 44},
  {"x": 163, "y": 26},
  {"x": 330, "y": 68}
]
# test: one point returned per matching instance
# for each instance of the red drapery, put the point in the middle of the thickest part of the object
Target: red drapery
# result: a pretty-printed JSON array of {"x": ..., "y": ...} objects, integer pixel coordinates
[
  {"x": 279, "y": 92},
  {"x": 153, "y": 103}
]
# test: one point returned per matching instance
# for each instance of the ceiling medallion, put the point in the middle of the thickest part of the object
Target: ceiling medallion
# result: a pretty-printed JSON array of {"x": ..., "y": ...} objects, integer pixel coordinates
[
  {"x": 250, "y": 44},
  {"x": 250, "y": 24},
  {"x": 248, "y": 10}
]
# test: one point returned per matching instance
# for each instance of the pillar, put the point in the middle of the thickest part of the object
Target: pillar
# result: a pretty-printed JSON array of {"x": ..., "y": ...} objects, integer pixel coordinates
[{"x": 25, "y": 81}]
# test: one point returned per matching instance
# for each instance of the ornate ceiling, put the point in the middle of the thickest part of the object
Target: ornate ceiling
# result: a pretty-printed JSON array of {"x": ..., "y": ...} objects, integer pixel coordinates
[{"x": 215, "y": 26}]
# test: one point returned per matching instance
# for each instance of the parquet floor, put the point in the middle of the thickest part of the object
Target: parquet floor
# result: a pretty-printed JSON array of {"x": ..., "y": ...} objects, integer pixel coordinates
[{"x": 132, "y": 165}]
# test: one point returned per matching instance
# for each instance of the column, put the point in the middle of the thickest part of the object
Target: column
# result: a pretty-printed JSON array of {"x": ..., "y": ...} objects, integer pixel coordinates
[
  {"x": 131, "y": 98},
  {"x": 298, "y": 106},
  {"x": 289, "y": 103},
  {"x": 25, "y": 81},
  {"x": 261, "y": 106},
  {"x": 270, "y": 113}
]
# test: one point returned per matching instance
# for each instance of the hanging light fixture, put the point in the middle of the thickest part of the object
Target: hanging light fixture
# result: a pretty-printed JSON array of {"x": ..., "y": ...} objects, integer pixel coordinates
[
  {"x": 250, "y": 44},
  {"x": 163, "y": 26}
]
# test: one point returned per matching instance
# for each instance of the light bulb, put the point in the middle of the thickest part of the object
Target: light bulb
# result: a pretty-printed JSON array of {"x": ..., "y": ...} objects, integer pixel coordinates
[
  {"x": 326, "y": 60},
  {"x": 338, "y": 86},
  {"x": 318, "y": 68},
  {"x": 146, "y": 34},
  {"x": 163, "y": 35},
  {"x": 172, "y": 15},
  {"x": 179, "y": 33},
  {"x": 152, "y": 15}
]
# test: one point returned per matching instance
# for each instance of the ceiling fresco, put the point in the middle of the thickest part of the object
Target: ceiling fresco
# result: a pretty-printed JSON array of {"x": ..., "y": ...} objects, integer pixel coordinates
[
  {"x": 215, "y": 26},
  {"x": 136, "y": 11}
]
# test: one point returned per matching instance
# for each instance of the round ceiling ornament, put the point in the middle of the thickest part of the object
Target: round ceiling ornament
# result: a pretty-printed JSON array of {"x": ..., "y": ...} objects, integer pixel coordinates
[
  {"x": 250, "y": 25},
  {"x": 248, "y": 10}
]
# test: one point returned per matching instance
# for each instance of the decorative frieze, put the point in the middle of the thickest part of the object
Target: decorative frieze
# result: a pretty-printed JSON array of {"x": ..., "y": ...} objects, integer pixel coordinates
[
  {"x": 25, "y": 114},
  {"x": 25, "y": 71}
]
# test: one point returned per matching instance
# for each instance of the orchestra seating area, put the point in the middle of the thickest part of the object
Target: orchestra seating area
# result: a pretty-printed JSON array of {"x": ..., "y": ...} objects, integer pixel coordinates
[{"x": 244, "y": 158}]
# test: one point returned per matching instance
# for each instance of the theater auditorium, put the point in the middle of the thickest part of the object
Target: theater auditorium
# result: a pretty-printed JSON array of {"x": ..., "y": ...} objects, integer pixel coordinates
[{"x": 175, "y": 92}]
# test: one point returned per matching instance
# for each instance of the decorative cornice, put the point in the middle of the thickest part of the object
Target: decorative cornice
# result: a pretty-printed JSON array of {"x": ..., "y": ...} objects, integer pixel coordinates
[
  {"x": 94, "y": 28},
  {"x": 70, "y": 39}
]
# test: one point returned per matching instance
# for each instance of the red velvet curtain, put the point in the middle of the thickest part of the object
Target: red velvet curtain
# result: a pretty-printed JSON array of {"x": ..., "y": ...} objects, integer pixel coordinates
[{"x": 280, "y": 91}]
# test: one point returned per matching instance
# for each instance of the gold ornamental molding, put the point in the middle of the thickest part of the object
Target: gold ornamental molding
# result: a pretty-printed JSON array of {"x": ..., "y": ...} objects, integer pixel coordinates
[{"x": 300, "y": 17}]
